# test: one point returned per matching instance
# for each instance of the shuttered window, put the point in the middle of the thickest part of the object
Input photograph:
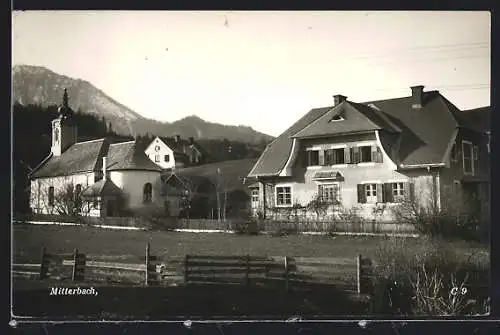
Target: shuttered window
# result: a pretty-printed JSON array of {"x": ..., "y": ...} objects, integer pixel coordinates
[
  {"x": 387, "y": 192},
  {"x": 312, "y": 157},
  {"x": 355, "y": 158},
  {"x": 329, "y": 157},
  {"x": 347, "y": 155},
  {"x": 366, "y": 154},
  {"x": 334, "y": 156}
]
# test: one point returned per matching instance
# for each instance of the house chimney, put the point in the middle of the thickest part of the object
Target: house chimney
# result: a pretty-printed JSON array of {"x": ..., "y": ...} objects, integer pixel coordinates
[
  {"x": 104, "y": 168},
  {"x": 177, "y": 138},
  {"x": 191, "y": 140},
  {"x": 338, "y": 99},
  {"x": 417, "y": 94}
]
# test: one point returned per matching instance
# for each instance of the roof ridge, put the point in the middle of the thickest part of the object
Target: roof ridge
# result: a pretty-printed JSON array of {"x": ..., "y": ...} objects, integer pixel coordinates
[
  {"x": 122, "y": 142},
  {"x": 95, "y": 140}
]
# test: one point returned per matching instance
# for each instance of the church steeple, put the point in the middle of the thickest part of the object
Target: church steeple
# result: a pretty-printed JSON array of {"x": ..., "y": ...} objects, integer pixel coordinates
[
  {"x": 65, "y": 99},
  {"x": 64, "y": 131}
]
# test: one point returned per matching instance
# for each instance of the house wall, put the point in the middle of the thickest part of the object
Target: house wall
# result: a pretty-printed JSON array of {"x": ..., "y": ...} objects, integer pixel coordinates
[
  {"x": 304, "y": 188},
  {"x": 151, "y": 152},
  {"x": 39, "y": 189},
  {"x": 454, "y": 196},
  {"x": 132, "y": 183}
]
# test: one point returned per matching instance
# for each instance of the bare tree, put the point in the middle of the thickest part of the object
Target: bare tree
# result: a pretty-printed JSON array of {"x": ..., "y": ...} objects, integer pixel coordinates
[
  {"x": 61, "y": 197},
  {"x": 318, "y": 206}
]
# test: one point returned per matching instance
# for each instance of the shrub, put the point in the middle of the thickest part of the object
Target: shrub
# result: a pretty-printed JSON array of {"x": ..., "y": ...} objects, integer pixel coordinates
[
  {"x": 278, "y": 228},
  {"x": 241, "y": 227},
  {"x": 434, "y": 222},
  {"x": 409, "y": 282}
]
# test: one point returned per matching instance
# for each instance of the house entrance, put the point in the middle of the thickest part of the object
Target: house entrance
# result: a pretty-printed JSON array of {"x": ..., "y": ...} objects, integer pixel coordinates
[{"x": 110, "y": 208}]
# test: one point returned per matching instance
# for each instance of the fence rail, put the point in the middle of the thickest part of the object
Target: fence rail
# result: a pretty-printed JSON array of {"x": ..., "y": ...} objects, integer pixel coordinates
[{"x": 287, "y": 272}]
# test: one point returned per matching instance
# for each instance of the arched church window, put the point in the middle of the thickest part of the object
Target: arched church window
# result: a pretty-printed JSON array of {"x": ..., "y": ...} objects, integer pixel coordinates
[{"x": 147, "y": 193}]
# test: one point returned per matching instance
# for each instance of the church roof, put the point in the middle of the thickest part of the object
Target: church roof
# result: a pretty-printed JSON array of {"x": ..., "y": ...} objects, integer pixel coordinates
[
  {"x": 85, "y": 157},
  {"x": 102, "y": 188}
]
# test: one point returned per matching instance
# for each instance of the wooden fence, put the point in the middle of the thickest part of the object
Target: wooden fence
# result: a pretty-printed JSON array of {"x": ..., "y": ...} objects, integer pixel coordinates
[{"x": 347, "y": 274}]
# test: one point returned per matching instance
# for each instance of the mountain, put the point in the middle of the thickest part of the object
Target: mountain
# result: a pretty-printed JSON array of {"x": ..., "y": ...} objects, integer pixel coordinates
[{"x": 39, "y": 85}]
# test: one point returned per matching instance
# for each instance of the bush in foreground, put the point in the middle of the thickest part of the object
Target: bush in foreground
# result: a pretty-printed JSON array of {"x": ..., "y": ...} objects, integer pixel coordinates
[{"x": 427, "y": 283}]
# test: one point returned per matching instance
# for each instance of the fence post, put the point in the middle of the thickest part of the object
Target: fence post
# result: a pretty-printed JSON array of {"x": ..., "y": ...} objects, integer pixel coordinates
[
  {"x": 286, "y": 272},
  {"x": 147, "y": 264},
  {"x": 358, "y": 273},
  {"x": 43, "y": 263},
  {"x": 75, "y": 264}
]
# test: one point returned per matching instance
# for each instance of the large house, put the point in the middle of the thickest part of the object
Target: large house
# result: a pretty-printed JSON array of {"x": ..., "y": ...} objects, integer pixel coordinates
[
  {"x": 367, "y": 157},
  {"x": 174, "y": 152},
  {"x": 95, "y": 178}
]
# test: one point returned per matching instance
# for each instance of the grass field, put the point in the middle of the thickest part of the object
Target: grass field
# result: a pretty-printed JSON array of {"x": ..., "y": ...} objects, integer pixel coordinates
[
  {"x": 192, "y": 301},
  {"x": 101, "y": 242}
]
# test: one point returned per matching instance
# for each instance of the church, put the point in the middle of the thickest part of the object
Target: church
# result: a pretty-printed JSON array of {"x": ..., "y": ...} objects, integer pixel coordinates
[{"x": 99, "y": 178}]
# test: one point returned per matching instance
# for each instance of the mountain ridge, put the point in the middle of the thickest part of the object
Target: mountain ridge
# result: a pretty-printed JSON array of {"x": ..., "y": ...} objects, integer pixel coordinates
[{"x": 38, "y": 85}]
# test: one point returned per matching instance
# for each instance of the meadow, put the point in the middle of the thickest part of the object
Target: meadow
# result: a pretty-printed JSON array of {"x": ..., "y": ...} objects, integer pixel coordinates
[{"x": 27, "y": 240}]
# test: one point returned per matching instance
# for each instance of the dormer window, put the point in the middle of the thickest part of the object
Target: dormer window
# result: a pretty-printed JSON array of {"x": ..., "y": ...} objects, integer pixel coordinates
[
  {"x": 312, "y": 157},
  {"x": 337, "y": 117}
]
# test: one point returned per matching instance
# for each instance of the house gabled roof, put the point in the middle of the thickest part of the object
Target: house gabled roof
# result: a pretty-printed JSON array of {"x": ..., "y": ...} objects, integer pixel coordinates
[
  {"x": 102, "y": 188},
  {"x": 79, "y": 158},
  {"x": 180, "y": 146},
  {"x": 478, "y": 118},
  {"x": 129, "y": 156},
  {"x": 424, "y": 133},
  {"x": 354, "y": 118},
  {"x": 274, "y": 157}
]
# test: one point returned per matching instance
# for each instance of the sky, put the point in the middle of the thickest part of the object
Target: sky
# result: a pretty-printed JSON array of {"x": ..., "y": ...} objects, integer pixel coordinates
[{"x": 260, "y": 69}]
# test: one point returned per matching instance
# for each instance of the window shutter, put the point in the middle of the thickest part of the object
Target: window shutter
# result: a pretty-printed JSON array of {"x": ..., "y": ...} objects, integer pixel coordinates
[
  {"x": 374, "y": 153},
  {"x": 321, "y": 157},
  {"x": 380, "y": 193},
  {"x": 347, "y": 155},
  {"x": 308, "y": 157},
  {"x": 361, "y": 194},
  {"x": 388, "y": 192},
  {"x": 305, "y": 158},
  {"x": 409, "y": 191},
  {"x": 355, "y": 155},
  {"x": 379, "y": 157}
]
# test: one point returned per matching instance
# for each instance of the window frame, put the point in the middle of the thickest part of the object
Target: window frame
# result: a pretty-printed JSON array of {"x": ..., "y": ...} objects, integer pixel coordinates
[
  {"x": 166, "y": 158},
  {"x": 370, "y": 190},
  {"x": 254, "y": 195},
  {"x": 471, "y": 157},
  {"x": 277, "y": 195},
  {"x": 309, "y": 154},
  {"x": 321, "y": 192},
  {"x": 361, "y": 153},
  {"x": 398, "y": 190},
  {"x": 157, "y": 158}
]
